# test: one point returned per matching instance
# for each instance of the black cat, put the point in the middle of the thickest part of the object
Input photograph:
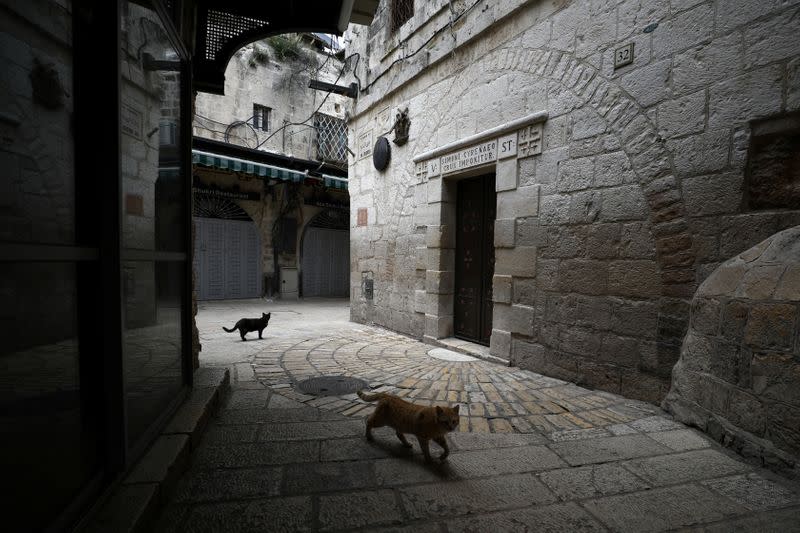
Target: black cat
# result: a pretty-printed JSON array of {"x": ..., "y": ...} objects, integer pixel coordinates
[{"x": 247, "y": 325}]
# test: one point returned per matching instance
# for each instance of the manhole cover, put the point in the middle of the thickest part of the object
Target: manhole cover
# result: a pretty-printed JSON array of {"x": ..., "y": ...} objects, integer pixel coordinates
[{"x": 330, "y": 385}]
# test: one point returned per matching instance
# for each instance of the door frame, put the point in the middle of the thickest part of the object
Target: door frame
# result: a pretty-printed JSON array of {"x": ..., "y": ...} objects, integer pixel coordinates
[
  {"x": 439, "y": 295},
  {"x": 489, "y": 214}
]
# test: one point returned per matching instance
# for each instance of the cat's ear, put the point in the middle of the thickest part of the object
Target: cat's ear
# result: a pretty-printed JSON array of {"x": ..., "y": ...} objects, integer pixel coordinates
[{"x": 456, "y": 408}]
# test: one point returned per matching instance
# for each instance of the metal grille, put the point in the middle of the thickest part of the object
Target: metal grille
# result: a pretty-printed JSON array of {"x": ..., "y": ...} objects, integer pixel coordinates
[
  {"x": 222, "y": 27},
  {"x": 331, "y": 219},
  {"x": 402, "y": 11},
  {"x": 331, "y": 138},
  {"x": 210, "y": 206}
]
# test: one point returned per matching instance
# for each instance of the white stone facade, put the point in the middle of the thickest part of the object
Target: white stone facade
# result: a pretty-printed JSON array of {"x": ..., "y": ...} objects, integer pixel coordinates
[
  {"x": 638, "y": 193},
  {"x": 257, "y": 74}
]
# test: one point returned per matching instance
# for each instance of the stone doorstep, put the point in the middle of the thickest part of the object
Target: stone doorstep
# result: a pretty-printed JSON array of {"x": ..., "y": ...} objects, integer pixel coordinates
[
  {"x": 467, "y": 348},
  {"x": 136, "y": 502}
]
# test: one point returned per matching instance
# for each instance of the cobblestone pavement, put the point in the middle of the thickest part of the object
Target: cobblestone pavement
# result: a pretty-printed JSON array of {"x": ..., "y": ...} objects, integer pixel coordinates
[
  {"x": 493, "y": 398},
  {"x": 533, "y": 453}
]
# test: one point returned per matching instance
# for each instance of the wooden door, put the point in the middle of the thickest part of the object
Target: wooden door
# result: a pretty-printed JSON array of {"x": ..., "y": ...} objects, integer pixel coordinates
[{"x": 475, "y": 214}]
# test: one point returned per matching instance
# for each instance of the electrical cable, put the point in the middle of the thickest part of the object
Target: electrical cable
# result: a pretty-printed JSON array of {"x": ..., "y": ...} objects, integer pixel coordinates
[
  {"x": 449, "y": 25},
  {"x": 328, "y": 93}
]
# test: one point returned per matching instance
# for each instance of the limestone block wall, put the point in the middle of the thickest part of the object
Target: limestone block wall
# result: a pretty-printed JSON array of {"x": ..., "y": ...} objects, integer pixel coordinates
[
  {"x": 641, "y": 188},
  {"x": 257, "y": 75},
  {"x": 738, "y": 376},
  {"x": 37, "y": 192},
  {"x": 150, "y": 104}
]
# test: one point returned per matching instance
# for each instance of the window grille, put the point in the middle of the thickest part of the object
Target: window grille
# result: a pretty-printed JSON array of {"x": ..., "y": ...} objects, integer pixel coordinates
[
  {"x": 261, "y": 117},
  {"x": 223, "y": 27},
  {"x": 211, "y": 206},
  {"x": 331, "y": 138},
  {"x": 402, "y": 11}
]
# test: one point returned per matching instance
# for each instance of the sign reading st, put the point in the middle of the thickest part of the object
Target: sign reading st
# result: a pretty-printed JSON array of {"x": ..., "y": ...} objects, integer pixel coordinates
[{"x": 508, "y": 146}]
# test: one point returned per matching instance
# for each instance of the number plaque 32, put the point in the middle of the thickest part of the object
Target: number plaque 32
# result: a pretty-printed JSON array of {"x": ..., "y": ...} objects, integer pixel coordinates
[{"x": 623, "y": 56}]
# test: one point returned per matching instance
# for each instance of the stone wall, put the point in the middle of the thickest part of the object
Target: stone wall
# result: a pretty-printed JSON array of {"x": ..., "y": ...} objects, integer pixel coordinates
[
  {"x": 738, "y": 376},
  {"x": 636, "y": 196},
  {"x": 37, "y": 187},
  {"x": 257, "y": 74}
]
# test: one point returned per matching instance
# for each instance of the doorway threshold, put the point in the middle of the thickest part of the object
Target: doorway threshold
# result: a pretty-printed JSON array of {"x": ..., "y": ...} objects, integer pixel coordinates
[{"x": 473, "y": 349}]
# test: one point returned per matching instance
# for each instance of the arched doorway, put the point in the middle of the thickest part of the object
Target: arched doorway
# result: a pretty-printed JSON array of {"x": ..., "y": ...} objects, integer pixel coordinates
[
  {"x": 227, "y": 250},
  {"x": 325, "y": 260}
]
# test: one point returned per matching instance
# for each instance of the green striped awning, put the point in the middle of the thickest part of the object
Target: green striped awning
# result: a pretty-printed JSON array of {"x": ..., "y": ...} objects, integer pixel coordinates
[{"x": 208, "y": 159}]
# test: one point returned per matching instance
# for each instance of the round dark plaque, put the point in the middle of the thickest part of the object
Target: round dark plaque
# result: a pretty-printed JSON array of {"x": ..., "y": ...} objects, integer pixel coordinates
[{"x": 381, "y": 153}]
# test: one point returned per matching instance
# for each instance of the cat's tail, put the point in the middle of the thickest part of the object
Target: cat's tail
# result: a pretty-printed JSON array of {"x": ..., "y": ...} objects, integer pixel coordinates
[
  {"x": 229, "y": 330},
  {"x": 369, "y": 397}
]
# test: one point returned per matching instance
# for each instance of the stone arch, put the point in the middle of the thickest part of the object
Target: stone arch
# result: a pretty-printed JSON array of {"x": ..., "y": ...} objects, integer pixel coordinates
[
  {"x": 581, "y": 86},
  {"x": 210, "y": 206},
  {"x": 651, "y": 162},
  {"x": 223, "y": 34}
]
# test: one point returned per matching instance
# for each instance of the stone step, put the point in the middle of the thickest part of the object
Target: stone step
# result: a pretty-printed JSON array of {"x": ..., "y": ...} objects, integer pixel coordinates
[
  {"x": 134, "y": 504},
  {"x": 467, "y": 348}
]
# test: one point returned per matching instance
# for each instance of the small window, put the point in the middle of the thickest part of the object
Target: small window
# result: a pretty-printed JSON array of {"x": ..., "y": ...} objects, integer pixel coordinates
[
  {"x": 261, "y": 117},
  {"x": 331, "y": 138},
  {"x": 772, "y": 174},
  {"x": 402, "y": 11}
]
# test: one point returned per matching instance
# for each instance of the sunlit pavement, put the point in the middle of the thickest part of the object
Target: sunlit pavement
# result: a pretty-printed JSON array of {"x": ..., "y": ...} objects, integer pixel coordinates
[{"x": 532, "y": 452}]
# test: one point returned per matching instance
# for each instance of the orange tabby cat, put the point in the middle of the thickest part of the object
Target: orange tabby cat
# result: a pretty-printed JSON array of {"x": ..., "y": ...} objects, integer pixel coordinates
[{"x": 426, "y": 423}]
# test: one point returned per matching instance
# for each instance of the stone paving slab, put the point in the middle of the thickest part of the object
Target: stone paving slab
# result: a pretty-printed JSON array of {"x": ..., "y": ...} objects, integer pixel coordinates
[
  {"x": 536, "y": 454},
  {"x": 561, "y": 517},
  {"x": 491, "y": 482},
  {"x": 662, "y": 509}
]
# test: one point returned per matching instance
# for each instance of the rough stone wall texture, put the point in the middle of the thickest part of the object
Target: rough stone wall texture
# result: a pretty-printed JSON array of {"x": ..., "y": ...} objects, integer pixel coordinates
[
  {"x": 37, "y": 193},
  {"x": 637, "y": 193},
  {"x": 738, "y": 376},
  {"x": 256, "y": 74},
  {"x": 151, "y": 103}
]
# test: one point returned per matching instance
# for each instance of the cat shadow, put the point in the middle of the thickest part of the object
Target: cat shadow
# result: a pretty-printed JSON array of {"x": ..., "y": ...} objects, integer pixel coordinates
[{"x": 439, "y": 468}]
